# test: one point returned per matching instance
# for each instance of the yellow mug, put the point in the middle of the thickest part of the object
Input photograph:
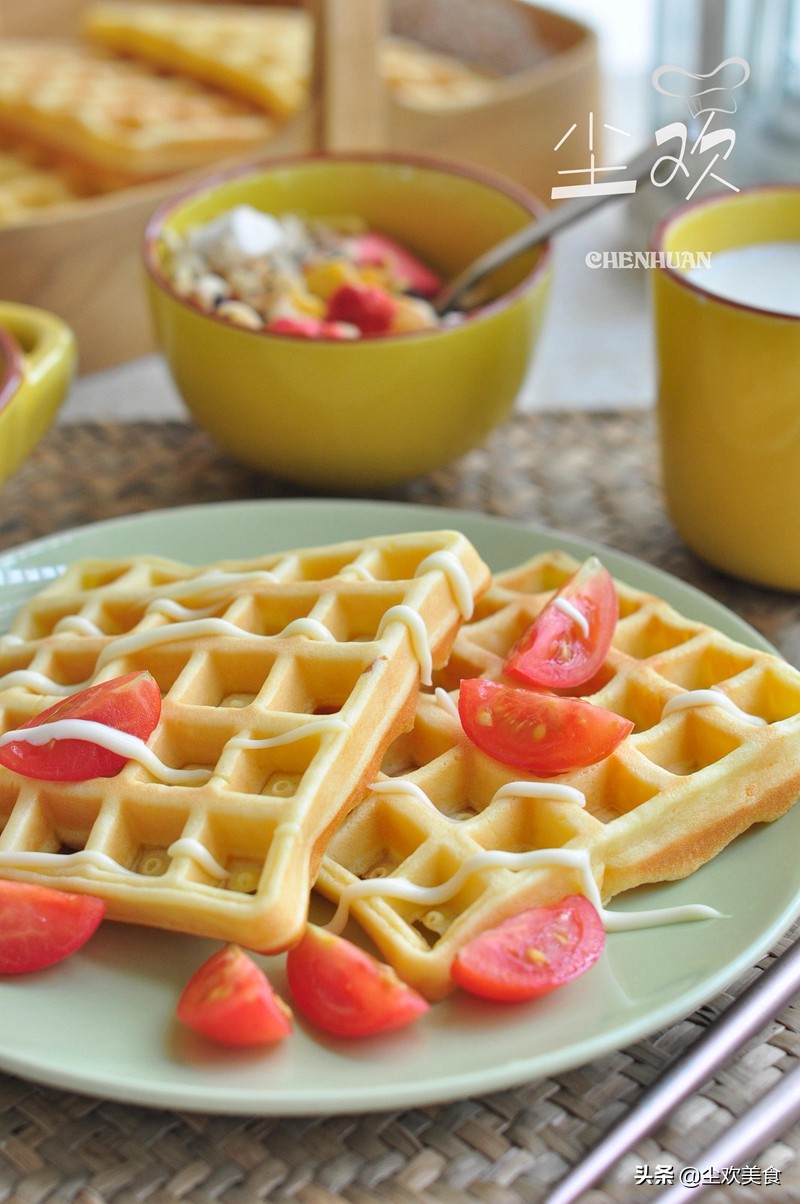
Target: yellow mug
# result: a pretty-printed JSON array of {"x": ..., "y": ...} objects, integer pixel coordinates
[
  {"x": 728, "y": 364},
  {"x": 38, "y": 358}
]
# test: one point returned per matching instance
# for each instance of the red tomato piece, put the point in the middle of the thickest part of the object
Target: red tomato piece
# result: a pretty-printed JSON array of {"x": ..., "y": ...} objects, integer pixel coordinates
[
  {"x": 366, "y": 306},
  {"x": 375, "y": 249},
  {"x": 40, "y": 926},
  {"x": 569, "y": 640},
  {"x": 538, "y": 733},
  {"x": 345, "y": 990},
  {"x": 131, "y": 703},
  {"x": 231, "y": 1000},
  {"x": 533, "y": 952}
]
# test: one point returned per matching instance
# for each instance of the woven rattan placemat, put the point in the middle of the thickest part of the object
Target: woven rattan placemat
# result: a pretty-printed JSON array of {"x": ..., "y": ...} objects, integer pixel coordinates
[{"x": 592, "y": 475}]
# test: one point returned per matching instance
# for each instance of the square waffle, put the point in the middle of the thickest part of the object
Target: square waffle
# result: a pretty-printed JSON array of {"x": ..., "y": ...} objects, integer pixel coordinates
[
  {"x": 283, "y": 679},
  {"x": 669, "y": 798},
  {"x": 119, "y": 122}
]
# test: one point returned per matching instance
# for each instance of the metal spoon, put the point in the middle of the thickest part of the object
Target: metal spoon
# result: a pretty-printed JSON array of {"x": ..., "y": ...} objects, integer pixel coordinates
[{"x": 535, "y": 233}]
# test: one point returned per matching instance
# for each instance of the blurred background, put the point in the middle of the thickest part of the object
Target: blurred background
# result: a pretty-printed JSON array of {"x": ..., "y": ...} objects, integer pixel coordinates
[{"x": 585, "y": 58}]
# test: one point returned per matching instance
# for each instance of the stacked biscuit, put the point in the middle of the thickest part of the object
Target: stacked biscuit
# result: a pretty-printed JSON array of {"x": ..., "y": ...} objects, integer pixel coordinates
[
  {"x": 155, "y": 89},
  {"x": 310, "y": 698}
]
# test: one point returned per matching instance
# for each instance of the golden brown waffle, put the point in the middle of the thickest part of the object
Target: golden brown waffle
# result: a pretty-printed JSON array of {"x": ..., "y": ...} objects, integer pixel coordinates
[
  {"x": 265, "y": 54},
  {"x": 283, "y": 679},
  {"x": 670, "y": 797},
  {"x": 27, "y": 187},
  {"x": 119, "y": 122}
]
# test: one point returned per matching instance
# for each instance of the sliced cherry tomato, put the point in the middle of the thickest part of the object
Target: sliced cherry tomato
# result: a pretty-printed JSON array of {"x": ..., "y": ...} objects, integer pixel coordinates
[
  {"x": 345, "y": 990},
  {"x": 131, "y": 703},
  {"x": 539, "y": 733},
  {"x": 231, "y": 1000},
  {"x": 569, "y": 640},
  {"x": 533, "y": 952},
  {"x": 40, "y": 926},
  {"x": 374, "y": 248}
]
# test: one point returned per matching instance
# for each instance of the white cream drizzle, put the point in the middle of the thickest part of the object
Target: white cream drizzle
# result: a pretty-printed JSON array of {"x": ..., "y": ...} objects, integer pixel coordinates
[
  {"x": 449, "y": 564},
  {"x": 311, "y": 628},
  {"x": 551, "y": 791},
  {"x": 189, "y": 847},
  {"x": 418, "y": 634},
  {"x": 556, "y": 792},
  {"x": 63, "y": 863},
  {"x": 571, "y": 611},
  {"x": 79, "y": 624},
  {"x": 122, "y": 743},
  {"x": 711, "y": 697},
  {"x": 431, "y": 896},
  {"x": 328, "y": 723},
  {"x": 68, "y": 863},
  {"x": 446, "y": 702}
]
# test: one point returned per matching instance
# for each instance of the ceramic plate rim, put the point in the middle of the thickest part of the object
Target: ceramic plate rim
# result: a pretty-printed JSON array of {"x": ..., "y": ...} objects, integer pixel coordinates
[{"x": 211, "y": 1094}]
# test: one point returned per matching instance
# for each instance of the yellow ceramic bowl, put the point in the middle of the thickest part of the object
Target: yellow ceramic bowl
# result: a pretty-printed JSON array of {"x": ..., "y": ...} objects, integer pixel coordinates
[
  {"x": 37, "y": 364},
  {"x": 728, "y": 392},
  {"x": 370, "y": 412}
]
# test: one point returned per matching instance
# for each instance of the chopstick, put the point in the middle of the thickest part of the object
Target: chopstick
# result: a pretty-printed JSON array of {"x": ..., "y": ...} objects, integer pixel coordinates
[
  {"x": 772, "y": 1114},
  {"x": 754, "y": 1008}
]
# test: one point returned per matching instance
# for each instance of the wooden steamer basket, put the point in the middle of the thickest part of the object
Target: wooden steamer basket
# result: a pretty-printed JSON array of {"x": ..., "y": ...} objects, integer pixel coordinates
[{"x": 81, "y": 260}]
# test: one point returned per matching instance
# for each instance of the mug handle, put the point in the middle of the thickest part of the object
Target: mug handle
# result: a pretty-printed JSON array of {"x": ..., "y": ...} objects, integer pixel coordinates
[{"x": 49, "y": 362}]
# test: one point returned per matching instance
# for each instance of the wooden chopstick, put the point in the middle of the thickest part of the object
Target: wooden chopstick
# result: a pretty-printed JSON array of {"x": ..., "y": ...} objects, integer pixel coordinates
[{"x": 745, "y": 1017}]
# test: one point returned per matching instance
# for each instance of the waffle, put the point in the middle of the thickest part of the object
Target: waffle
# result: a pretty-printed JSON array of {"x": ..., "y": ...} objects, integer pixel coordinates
[
  {"x": 119, "y": 122},
  {"x": 26, "y": 187},
  {"x": 670, "y": 797},
  {"x": 265, "y": 55},
  {"x": 283, "y": 679}
]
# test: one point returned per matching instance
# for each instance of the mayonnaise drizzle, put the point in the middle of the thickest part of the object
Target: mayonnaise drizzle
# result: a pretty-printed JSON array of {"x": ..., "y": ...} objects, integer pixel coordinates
[
  {"x": 187, "y": 846},
  {"x": 449, "y": 564},
  {"x": 328, "y": 723},
  {"x": 311, "y": 628},
  {"x": 446, "y": 702},
  {"x": 419, "y": 636},
  {"x": 431, "y": 896},
  {"x": 122, "y": 743},
  {"x": 551, "y": 791},
  {"x": 571, "y": 611},
  {"x": 69, "y": 863},
  {"x": 556, "y": 792},
  {"x": 712, "y": 697}
]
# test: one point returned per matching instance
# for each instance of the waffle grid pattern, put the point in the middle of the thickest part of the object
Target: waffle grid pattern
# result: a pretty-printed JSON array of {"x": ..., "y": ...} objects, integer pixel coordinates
[
  {"x": 116, "y": 121},
  {"x": 327, "y": 698},
  {"x": 666, "y": 801}
]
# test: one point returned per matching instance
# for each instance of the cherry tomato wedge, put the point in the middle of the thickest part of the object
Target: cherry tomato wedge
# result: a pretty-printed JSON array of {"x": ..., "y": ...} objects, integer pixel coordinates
[
  {"x": 533, "y": 952},
  {"x": 131, "y": 703},
  {"x": 539, "y": 733},
  {"x": 345, "y": 990},
  {"x": 40, "y": 926},
  {"x": 568, "y": 641},
  {"x": 231, "y": 1000}
]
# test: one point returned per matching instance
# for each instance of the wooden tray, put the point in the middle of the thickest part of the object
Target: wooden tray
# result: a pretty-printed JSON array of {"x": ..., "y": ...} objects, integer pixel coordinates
[{"x": 82, "y": 260}]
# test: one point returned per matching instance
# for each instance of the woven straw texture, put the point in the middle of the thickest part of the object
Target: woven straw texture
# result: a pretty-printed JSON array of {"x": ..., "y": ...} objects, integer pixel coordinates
[{"x": 592, "y": 475}]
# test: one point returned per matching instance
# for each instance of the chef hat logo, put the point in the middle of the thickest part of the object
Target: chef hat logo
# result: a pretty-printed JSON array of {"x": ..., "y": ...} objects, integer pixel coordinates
[{"x": 705, "y": 93}]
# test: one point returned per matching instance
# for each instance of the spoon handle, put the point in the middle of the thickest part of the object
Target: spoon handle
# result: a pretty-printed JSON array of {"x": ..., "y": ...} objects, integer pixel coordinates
[{"x": 537, "y": 232}]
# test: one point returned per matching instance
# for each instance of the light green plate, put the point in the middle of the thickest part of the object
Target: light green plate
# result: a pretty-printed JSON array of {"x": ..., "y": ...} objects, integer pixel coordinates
[{"x": 102, "y": 1021}]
